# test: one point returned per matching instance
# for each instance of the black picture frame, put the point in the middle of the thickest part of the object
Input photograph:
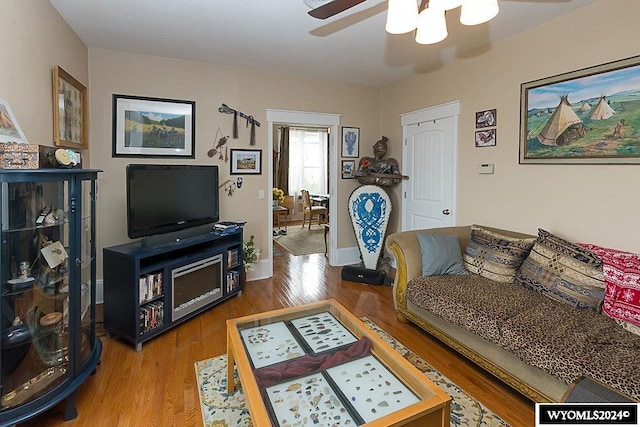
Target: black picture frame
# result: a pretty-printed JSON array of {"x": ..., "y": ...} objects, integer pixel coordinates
[
  {"x": 348, "y": 169},
  {"x": 350, "y": 142},
  {"x": 245, "y": 162},
  {"x": 153, "y": 127},
  {"x": 486, "y": 118},
  {"x": 486, "y": 138}
]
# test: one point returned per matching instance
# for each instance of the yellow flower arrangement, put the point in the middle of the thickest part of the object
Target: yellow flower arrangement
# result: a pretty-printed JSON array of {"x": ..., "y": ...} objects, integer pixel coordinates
[{"x": 278, "y": 195}]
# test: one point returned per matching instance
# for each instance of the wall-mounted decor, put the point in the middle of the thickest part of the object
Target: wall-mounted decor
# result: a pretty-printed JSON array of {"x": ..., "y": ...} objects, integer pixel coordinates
[
  {"x": 70, "y": 115},
  {"x": 486, "y": 138},
  {"x": 246, "y": 162},
  {"x": 486, "y": 118},
  {"x": 590, "y": 115},
  {"x": 153, "y": 127},
  {"x": 10, "y": 130},
  {"x": 350, "y": 142},
  {"x": 348, "y": 169}
]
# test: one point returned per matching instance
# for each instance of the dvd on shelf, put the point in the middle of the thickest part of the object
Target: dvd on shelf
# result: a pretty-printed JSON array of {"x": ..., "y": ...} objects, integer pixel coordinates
[
  {"x": 151, "y": 316},
  {"x": 233, "y": 281},
  {"x": 150, "y": 286}
]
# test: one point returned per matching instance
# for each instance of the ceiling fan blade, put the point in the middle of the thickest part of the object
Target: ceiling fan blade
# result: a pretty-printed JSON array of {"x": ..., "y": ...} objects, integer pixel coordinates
[{"x": 333, "y": 8}]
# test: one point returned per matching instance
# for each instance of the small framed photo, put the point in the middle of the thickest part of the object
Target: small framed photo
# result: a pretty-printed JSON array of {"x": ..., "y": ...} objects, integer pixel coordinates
[
  {"x": 348, "y": 167},
  {"x": 70, "y": 115},
  {"x": 10, "y": 130},
  {"x": 153, "y": 127},
  {"x": 486, "y": 138},
  {"x": 246, "y": 162},
  {"x": 350, "y": 142},
  {"x": 486, "y": 118}
]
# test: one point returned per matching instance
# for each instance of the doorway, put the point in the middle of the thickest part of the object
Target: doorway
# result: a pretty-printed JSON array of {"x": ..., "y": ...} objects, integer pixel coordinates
[
  {"x": 301, "y": 161},
  {"x": 430, "y": 159},
  {"x": 306, "y": 119}
]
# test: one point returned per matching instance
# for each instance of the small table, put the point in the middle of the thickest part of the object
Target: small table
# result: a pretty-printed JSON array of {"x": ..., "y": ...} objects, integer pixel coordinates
[
  {"x": 251, "y": 340},
  {"x": 277, "y": 212}
]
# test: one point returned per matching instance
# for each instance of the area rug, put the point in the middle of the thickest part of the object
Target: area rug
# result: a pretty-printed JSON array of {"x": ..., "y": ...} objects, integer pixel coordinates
[
  {"x": 220, "y": 408},
  {"x": 302, "y": 241}
]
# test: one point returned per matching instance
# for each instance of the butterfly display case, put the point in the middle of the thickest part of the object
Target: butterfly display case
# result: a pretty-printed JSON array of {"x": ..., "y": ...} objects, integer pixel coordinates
[{"x": 47, "y": 275}]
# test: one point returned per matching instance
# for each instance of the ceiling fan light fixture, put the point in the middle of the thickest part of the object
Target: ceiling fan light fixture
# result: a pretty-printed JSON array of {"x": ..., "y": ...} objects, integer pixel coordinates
[
  {"x": 402, "y": 16},
  {"x": 432, "y": 26},
  {"x": 476, "y": 12},
  {"x": 445, "y": 4}
]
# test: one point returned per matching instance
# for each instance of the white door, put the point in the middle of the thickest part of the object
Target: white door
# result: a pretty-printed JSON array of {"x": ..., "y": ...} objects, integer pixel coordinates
[{"x": 429, "y": 193}]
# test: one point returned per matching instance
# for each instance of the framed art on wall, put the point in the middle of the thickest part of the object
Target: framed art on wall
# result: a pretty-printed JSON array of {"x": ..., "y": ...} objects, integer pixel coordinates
[
  {"x": 590, "y": 115},
  {"x": 247, "y": 162},
  {"x": 486, "y": 138},
  {"x": 70, "y": 115},
  {"x": 348, "y": 168},
  {"x": 350, "y": 142},
  {"x": 153, "y": 127},
  {"x": 10, "y": 130},
  {"x": 486, "y": 118}
]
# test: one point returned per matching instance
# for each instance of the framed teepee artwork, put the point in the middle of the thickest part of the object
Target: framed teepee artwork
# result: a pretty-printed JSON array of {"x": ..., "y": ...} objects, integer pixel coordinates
[{"x": 590, "y": 115}]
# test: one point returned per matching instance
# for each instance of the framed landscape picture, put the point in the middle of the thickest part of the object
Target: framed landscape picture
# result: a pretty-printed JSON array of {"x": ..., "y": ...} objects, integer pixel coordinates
[
  {"x": 153, "y": 127},
  {"x": 586, "y": 116},
  {"x": 245, "y": 162}
]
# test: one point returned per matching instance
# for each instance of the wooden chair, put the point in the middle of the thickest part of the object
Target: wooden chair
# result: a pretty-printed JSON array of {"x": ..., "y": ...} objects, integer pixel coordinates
[
  {"x": 309, "y": 211},
  {"x": 288, "y": 205}
]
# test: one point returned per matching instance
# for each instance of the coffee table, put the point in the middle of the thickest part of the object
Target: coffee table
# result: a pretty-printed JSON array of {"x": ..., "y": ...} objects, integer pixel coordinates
[{"x": 381, "y": 389}]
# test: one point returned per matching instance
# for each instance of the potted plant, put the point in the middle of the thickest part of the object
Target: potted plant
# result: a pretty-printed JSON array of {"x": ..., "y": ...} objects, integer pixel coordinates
[{"x": 251, "y": 254}]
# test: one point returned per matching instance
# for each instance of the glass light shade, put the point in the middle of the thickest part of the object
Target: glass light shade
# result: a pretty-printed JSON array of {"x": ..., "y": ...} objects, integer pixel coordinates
[
  {"x": 444, "y": 4},
  {"x": 476, "y": 12},
  {"x": 432, "y": 26},
  {"x": 402, "y": 16}
]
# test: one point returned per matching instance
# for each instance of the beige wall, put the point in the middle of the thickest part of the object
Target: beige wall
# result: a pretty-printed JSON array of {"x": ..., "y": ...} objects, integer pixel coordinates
[
  {"x": 210, "y": 85},
  {"x": 588, "y": 203},
  {"x": 34, "y": 39},
  {"x": 595, "y": 203}
]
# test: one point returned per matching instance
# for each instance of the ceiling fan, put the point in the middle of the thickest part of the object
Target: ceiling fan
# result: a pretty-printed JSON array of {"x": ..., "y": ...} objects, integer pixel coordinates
[{"x": 323, "y": 9}]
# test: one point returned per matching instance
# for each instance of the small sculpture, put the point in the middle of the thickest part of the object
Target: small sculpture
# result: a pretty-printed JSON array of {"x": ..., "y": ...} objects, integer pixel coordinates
[{"x": 378, "y": 170}]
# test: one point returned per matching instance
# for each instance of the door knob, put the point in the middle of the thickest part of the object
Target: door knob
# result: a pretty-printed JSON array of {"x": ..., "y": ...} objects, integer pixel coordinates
[{"x": 446, "y": 212}]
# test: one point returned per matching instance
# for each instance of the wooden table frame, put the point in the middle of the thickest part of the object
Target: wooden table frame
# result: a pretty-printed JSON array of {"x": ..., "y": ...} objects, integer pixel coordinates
[{"x": 432, "y": 410}]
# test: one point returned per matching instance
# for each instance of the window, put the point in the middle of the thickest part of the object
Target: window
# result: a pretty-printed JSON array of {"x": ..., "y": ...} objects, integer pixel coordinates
[{"x": 307, "y": 160}]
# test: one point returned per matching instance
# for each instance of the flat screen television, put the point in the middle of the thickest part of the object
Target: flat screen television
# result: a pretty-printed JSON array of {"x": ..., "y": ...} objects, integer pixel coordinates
[{"x": 169, "y": 198}]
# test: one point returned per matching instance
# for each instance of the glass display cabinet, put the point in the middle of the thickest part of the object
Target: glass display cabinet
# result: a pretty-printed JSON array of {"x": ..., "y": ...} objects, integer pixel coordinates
[{"x": 47, "y": 279}]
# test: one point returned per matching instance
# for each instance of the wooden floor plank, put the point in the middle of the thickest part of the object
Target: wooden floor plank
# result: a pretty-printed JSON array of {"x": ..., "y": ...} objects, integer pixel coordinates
[{"x": 157, "y": 386}]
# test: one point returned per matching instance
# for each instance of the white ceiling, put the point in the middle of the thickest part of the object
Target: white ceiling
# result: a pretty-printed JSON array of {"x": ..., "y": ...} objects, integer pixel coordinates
[{"x": 279, "y": 35}]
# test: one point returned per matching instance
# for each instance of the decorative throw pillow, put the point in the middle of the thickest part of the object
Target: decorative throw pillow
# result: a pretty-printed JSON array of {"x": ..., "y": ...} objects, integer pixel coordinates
[
  {"x": 494, "y": 255},
  {"x": 563, "y": 271},
  {"x": 440, "y": 254},
  {"x": 622, "y": 278}
]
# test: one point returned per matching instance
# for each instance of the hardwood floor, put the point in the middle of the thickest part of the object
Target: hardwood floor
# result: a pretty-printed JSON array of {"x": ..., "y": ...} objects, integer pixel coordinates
[{"x": 157, "y": 386}]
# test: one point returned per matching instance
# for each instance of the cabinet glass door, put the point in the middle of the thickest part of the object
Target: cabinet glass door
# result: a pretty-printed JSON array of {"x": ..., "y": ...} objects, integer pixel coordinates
[
  {"x": 36, "y": 268},
  {"x": 87, "y": 271}
]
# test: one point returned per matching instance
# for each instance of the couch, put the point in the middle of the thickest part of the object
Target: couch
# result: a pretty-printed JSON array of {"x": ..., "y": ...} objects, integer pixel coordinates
[{"x": 530, "y": 315}]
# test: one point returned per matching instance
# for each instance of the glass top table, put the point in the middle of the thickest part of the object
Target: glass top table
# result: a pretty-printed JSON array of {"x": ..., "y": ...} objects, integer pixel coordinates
[{"x": 317, "y": 364}]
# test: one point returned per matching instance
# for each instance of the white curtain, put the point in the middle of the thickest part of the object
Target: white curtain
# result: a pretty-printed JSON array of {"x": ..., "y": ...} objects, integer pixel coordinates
[{"x": 307, "y": 161}]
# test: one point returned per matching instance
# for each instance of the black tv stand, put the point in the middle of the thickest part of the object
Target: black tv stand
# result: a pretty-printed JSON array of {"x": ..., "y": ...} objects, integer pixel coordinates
[
  {"x": 175, "y": 236},
  {"x": 148, "y": 290}
]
